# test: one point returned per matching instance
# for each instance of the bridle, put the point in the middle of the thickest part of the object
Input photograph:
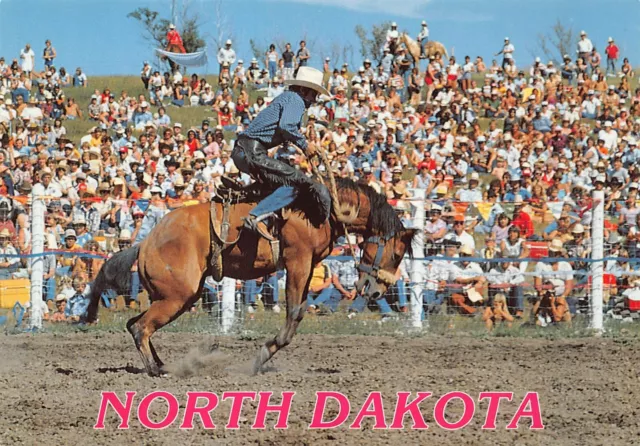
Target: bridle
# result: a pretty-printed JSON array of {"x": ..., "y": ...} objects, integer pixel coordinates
[{"x": 374, "y": 270}]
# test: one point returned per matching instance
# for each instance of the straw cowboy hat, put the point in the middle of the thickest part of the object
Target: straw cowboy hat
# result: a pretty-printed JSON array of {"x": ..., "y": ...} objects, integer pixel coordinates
[
  {"x": 556, "y": 245},
  {"x": 310, "y": 78},
  {"x": 5, "y": 233}
]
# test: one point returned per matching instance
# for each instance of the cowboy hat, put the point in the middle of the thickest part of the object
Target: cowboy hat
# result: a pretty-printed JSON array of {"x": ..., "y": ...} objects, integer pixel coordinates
[
  {"x": 310, "y": 78},
  {"x": 61, "y": 298},
  {"x": 5, "y": 233},
  {"x": 556, "y": 245},
  {"x": 466, "y": 250},
  {"x": 178, "y": 182}
]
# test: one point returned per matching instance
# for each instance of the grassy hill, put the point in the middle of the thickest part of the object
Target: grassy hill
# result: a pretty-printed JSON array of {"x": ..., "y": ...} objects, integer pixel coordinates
[{"x": 188, "y": 116}]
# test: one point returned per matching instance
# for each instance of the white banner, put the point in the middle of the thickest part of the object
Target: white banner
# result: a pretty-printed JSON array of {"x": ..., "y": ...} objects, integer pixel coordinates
[{"x": 187, "y": 60}]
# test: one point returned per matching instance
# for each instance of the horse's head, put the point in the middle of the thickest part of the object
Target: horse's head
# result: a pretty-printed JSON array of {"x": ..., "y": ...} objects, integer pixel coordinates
[
  {"x": 381, "y": 257},
  {"x": 366, "y": 212}
]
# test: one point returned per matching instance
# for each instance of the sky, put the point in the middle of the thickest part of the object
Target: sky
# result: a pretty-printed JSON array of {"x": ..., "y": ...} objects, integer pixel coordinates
[{"x": 98, "y": 36}]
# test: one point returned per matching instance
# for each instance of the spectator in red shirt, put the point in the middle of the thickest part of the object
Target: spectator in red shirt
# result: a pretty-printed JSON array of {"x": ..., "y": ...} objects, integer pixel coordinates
[
  {"x": 612, "y": 52},
  {"x": 521, "y": 219},
  {"x": 174, "y": 41}
]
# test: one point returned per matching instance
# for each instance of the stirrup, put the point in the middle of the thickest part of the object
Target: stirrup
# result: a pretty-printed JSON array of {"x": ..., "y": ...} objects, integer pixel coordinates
[{"x": 251, "y": 223}]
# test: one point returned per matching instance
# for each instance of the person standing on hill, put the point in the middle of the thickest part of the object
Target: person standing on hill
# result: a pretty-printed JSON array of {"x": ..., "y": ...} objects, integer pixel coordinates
[
  {"x": 584, "y": 46},
  {"x": 613, "y": 52},
  {"x": 28, "y": 60},
  {"x": 303, "y": 54},
  {"x": 226, "y": 55},
  {"x": 289, "y": 59},
  {"x": 49, "y": 54},
  {"x": 507, "y": 52}
]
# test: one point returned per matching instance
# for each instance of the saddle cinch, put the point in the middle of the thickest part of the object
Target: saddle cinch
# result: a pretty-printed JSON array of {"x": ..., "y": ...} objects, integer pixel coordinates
[{"x": 228, "y": 195}]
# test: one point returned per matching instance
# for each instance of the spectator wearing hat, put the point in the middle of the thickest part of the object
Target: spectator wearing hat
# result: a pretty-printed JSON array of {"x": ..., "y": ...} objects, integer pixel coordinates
[
  {"x": 507, "y": 52},
  {"x": 66, "y": 261},
  {"x": 59, "y": 315},
  {"x": 558, "y": 274},
  {"x": 613, "y": 53},
  {"x": 434, "y": 229},
  {"x": 439, "y": 272},
  {"x": 506, "y": 277},
  {"x": 459, "y": 234},
  {"x": 226, "y": 55},
  {"x": 457, "y": 167},
  {"x": 472, "y": 193},
  {"x": 423, "y": 39},
  {"x": 8, "y": 263},
  {"x": 469, "y": 274},
  {"x": 579, "y": 247}
]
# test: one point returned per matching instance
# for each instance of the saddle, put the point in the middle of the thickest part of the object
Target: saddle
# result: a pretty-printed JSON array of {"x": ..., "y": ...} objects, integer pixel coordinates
[{"x": 228, "y": 195}]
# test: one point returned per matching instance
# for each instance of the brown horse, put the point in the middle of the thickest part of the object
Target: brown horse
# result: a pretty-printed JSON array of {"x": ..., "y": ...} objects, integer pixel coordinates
[
  {"x": 433, "y": 47},
  {"x": 175, "y": 259}
]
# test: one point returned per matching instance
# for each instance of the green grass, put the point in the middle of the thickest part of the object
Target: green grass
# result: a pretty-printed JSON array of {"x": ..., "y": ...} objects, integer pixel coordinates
[{"x": 262, "y": 325}]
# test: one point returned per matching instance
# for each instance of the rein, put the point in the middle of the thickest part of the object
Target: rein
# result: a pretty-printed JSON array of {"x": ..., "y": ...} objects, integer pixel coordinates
[
  {"x": 374, "y": 269},
  {"x": 333, "y": 190}
]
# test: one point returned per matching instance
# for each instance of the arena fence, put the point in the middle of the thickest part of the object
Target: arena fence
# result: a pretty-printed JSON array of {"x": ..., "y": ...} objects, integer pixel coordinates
[{"x": 230, "y": 305}]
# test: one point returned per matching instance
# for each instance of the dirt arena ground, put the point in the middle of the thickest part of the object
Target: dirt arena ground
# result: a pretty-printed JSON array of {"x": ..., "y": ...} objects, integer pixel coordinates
[{"x": 588, "y": 388}]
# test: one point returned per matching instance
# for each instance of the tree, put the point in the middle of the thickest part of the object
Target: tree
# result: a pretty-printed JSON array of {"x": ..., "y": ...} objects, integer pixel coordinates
[
  {"x": 221, "y": 25},
  {"x": 372, "y": 46},
  {"x": 559, "y": 41},
  {"x": 155, "y": 28},
  {"x": 258, "y": 50}
]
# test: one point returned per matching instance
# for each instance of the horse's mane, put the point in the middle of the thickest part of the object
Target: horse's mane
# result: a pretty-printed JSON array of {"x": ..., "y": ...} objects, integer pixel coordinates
[{"x": 383, "y": 220}]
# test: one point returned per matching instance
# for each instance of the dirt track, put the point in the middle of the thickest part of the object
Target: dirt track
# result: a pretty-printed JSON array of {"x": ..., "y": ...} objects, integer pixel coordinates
[{"x": 589, "y": 388}]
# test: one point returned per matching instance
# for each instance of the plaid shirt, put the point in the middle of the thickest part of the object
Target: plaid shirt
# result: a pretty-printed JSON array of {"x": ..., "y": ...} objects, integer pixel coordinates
[
  {"x": 346, "y": 272},
  {"x": 279, "y": 122},
  {"x": 91, "y": 216}
]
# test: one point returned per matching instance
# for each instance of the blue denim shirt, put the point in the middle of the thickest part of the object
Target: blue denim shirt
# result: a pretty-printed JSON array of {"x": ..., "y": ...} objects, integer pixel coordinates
[
  {"x": 77, "y": 305},
  {"x": 152, "y": 217}
]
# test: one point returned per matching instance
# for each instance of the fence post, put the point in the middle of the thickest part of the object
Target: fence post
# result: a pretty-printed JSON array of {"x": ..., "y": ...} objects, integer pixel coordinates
[
  {"x": 597, "y": 267},
  {"x": 417, "y": 264},
  {"x": 228, "y": 303},
  {"x": 37, "y": 263}
]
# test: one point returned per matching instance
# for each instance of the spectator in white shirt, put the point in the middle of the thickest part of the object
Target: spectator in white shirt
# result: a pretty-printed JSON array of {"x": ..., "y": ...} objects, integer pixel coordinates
[
  {"x": 584, "y": 46},
  {"x": 226, "y": 54},
  {"x": 609, "y": 136}
]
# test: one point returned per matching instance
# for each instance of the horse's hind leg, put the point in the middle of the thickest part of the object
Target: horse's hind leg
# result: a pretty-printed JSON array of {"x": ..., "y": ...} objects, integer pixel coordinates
[{"x": 298, "y": 278}]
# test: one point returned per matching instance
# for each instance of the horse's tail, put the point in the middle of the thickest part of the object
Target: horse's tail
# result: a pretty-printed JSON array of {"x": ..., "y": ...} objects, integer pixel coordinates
[{"x": 115, "y": 274}]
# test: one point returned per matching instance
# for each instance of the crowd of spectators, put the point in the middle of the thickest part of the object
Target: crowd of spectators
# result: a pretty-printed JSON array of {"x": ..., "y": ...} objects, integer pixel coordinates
[{"x": 507, "y": 155}]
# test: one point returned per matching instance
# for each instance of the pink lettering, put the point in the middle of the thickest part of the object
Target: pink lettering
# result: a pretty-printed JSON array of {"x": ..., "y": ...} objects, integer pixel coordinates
[
  {"x": 372, "y": 407},
  {"x": 534, "y": 412},
  {"x": 494, "y": 405},
  {"x": 441, "y": 407},
  {"x": 402, "y": 408},
  {"x": 344, "y": 407},
  {"x": 122, "y": 410},
  {"x": 283, "y": 410},
  {"x": 170, "y": 417},
  {"x": 236, "y": 407},
  {"x": 204, "y": 412}
]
